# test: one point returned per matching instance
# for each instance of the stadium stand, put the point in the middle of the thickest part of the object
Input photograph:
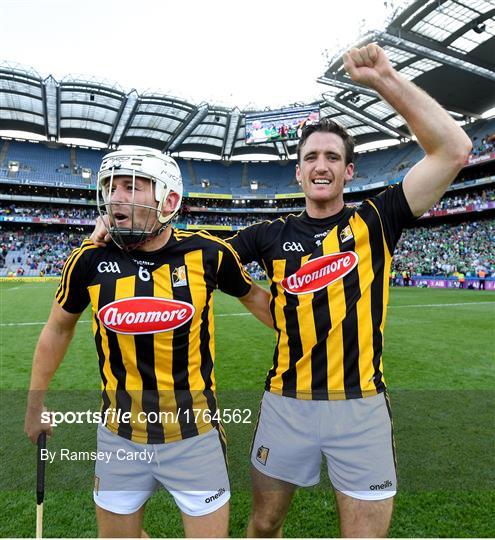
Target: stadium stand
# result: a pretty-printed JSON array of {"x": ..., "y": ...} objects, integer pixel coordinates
[
  {"x": 446, "y": 250},
  {"x": 476, "y": 200},
  {"x": 47, "y": 163},
  {"x": 48, "y": 207}
]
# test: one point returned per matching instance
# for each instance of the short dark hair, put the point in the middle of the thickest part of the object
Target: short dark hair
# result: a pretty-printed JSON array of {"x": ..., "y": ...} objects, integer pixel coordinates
[{"x": 326, "y": 125}]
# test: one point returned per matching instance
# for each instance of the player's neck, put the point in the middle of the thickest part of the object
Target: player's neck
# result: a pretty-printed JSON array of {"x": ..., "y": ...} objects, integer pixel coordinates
[
  {"x": 159, "y": 241},
  {"x": 322, "y": 210}
]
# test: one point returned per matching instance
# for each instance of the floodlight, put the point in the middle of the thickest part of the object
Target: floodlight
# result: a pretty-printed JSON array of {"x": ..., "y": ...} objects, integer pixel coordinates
[{"x": 13, "y": 166}]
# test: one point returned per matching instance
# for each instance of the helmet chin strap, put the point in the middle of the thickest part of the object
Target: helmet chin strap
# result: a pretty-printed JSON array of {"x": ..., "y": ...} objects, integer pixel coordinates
[{"x": 129, "y": 240}]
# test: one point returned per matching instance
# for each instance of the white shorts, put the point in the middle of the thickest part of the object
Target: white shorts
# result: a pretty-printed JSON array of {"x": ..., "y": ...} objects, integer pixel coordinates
[
  {"x": 193, "y": 471},
  {"x": 355, "y": 436}
]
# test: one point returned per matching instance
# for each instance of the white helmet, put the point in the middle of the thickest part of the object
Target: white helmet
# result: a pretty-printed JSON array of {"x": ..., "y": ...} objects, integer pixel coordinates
[{"x": 138, "y": 162}]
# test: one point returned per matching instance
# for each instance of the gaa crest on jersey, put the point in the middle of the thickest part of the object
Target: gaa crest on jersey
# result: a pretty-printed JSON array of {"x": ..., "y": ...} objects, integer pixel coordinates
[
  {"x": 262, "y": 454},
  {"x": 346, "y": 234},
  {"x": 318, "y": 273},
  {"x": 179, "y": 277},
  {"x": 145, "y": 315}
]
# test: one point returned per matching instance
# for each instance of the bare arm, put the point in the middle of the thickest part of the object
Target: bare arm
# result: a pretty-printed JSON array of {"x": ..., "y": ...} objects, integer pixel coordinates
[
  {"x": 257, "y": 301},
  {"x": 49, "y": 353},
  {"x": 446, "y": 145}
]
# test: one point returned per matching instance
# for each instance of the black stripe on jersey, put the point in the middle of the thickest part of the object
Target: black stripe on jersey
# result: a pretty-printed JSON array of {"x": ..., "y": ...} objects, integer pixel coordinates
[
  {"x": 145, "y": 363},
  {"x": 71, "y": 260},
  {"x": 122, "y": 398},
  {"x": 274, "y": 293},
  {"x": 101, "y": 363},
  {"x": 289, "y": 377},
  {"x": 322, "y": 323},
  {"x": 245, "y": 274},
  {"x": 350, "y": 328},
  {"x": 180, "y": 362},
  {"x": 206, "y": 359},
  {"x": 372, "y": 220}
]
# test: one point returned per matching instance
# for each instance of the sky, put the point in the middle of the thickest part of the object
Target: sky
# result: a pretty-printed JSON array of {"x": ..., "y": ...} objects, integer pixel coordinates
[{"x": 252, "y": 54}]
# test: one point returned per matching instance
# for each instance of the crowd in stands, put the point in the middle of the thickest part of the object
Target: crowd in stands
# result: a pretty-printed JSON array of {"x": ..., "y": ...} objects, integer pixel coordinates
[
  {"x": 36, "y": 253},
  {"x": 195, "y": 202},
  {"x": 442, "y": 250},
  {"x": 82, "y": 212},
  {"x": 472, "y": 198},
  {"x": 255, "y": 270},
  {"x": 486, "y": 146},
  {"x": 55, "y": 192},
  {"x": 447, "y": 249},
  {"x": 222, "y": 219},
  {"x": 186, "y": 217}
]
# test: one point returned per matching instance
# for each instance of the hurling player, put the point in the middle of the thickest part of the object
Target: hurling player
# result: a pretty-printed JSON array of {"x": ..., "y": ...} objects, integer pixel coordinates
[
  {"x": 328, "y": 270},
  {"x": 152, "y": 313}
]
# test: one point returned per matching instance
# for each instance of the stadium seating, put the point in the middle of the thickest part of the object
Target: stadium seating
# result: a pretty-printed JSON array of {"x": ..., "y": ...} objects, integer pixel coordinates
[{"x": 61, "y": 166}]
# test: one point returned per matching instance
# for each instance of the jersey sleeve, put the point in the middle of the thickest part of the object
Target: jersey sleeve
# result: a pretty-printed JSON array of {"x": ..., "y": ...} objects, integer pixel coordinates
[
  {"x": 394, "y": 212},
  {"x": 72, "y": 293},
  {"x": 247, "y": 242},
  {"x": 232, "y": 278}
]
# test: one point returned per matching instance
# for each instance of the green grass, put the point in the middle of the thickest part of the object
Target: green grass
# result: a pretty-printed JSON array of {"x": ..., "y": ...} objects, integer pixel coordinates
[{"x": 439, "y": 366}]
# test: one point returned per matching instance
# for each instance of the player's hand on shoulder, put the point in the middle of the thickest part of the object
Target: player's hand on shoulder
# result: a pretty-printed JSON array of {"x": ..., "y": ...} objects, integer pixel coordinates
[
  {"x": 100, "y": 236},
  {"x": 368, "y": 65}
]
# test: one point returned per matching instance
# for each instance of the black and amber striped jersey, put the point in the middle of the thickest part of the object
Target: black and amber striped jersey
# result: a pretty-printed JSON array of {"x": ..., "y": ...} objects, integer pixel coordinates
[
  {"x": 329, "y": 285},
  {"x": 152, "y": 316}
]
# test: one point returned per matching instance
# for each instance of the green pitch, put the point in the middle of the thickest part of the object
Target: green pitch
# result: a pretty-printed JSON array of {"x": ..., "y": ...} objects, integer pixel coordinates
[{"x": 439, "y": 366}]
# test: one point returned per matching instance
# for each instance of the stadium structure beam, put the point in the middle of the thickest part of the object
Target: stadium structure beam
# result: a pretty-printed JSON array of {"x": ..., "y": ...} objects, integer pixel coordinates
[
  {"x": 50, "y": 103},
  {"x": 282, "y": 150},
  {"x": 92, "y": 105},
  {"x": 418, "y": 11},
  {"x": 37, "y": 95},
  {"x": 226, "y": 135},
  {"x": 341, "y": 83},
  {"x": 59, "y": 111},
  {"x": 231, "y": 132},
  {"x": 127, "y": 108},
  {"x": 92, "y": 88},
  {"x": 347, "y": 84},
  {"x": 13, "y": 91},
  {"x": 189, "y": 124},
  {"x": 45, "y": 110},
  {"x": 367, "y": 118},
  {"x": 461, "y": 31},
  {"x": 86, "y": 119},
  {"x": 471, "y": 114},
  {"x": 411, "y": 43},
  {"x": 179, "y": 129},
  {"x": 21, "y": 110}
]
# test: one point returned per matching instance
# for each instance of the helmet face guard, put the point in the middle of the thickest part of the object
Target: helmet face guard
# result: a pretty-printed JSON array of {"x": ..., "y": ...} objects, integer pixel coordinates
[{"x": 164, "y": 177}]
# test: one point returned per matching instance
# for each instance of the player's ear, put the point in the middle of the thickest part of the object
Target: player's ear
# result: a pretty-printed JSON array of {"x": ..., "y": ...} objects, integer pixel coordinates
[
  {"x": 171, "y": 203},
  {"x": 349, "y": 171},
  {"x": 298, "y": 174}
]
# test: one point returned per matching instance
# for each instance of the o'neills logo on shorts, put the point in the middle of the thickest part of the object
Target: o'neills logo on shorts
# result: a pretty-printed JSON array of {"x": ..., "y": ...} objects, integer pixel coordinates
[
  {"x": 321, "y": 272},
  {"x": 145, "y": 315}
]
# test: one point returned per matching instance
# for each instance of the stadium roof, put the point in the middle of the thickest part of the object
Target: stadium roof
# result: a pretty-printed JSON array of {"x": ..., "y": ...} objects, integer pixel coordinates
[{"x": 445, "y": 46}]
